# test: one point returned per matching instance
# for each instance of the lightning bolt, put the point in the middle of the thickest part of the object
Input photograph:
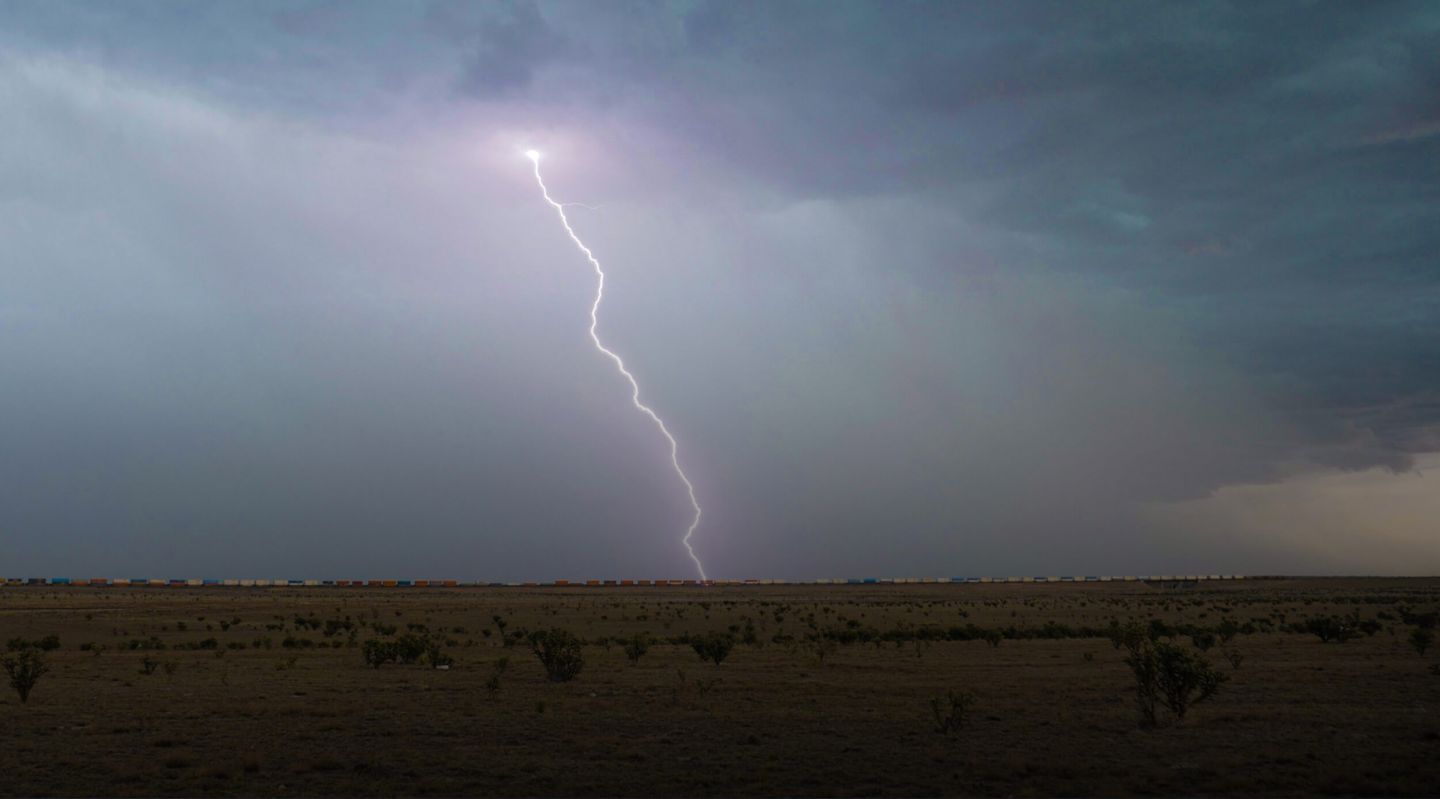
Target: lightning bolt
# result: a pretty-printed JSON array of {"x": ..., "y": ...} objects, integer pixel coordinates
[{"x": 620, "y": 363}]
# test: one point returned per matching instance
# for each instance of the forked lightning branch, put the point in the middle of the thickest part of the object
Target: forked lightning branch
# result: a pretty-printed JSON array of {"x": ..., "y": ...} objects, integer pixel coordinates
[{"x": 534, "y": 156}]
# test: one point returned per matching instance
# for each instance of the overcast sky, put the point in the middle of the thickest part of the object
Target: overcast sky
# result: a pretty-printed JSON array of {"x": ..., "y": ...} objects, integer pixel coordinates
[{"x": 922, "y": 289}]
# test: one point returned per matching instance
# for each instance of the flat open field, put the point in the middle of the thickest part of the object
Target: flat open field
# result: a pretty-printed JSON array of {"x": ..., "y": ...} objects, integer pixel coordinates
[{"x": 831, "y": 696}]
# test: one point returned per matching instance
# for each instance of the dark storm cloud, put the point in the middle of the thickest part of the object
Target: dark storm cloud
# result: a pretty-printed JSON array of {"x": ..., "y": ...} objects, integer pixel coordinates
[
  {"x": 1272, "y": 167},
  {"x": 508, "y": 41},
  {"x": 919, "y": 282}
]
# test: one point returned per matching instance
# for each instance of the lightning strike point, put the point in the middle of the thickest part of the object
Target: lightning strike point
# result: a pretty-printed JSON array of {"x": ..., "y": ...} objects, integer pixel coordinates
[{"x": 534, "y": 156}]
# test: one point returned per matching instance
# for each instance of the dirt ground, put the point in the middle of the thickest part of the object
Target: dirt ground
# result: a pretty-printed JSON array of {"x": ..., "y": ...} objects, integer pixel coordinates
[{"x": 780, "y": 716}]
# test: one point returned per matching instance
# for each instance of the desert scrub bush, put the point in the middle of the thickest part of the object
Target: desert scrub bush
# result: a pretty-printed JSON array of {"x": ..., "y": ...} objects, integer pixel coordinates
[
  {"x": 1227, "y": 629},
  {"x": 1128, "y": 636},
  {"x": 1330, "y": 628},
  {"x": 148, "y": 665},
  {"x": 435, "y": 655},
  {"x": 714, "y": 647},
  {"x": 1235, "y": 658},
  {"x": 410, "y": 648},
  {"x": 749, "y": 636},
  {"x": 1170, "y": 675},
  {"x": 492, "y": 685},
  {"x": 1421, "y": 638},
  {"x": 636, "y": 647},
  {"x": 47, "y": 644},
  {"x": 559, "y": 652},
  {"x": 377, "y": 653},
  {"x": 24, "y": 667},
  {"x": 821, "y": 647},
  {"x": 949, "y": 711}
]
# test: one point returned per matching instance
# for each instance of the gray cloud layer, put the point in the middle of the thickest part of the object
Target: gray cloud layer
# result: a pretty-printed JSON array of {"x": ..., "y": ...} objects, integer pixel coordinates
[{"x": 920, "y": 286}]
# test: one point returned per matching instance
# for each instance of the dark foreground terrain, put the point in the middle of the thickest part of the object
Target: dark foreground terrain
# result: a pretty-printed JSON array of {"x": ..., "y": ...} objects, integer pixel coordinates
[{"x": 827, "y": 691}]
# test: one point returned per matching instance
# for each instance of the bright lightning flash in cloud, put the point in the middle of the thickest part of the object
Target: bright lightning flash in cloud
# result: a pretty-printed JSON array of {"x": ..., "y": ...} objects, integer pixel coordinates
[{"x": 534, "y": 156}]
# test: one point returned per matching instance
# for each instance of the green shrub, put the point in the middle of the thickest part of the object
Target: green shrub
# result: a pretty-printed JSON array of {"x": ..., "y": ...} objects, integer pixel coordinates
[
  {"x": 25, "y": 667},
  {"x": 47, "y": 644},
  {"x": 636, "y": 647},
  {"x": 1330, "y": 628},
  {"x": 822, "y": 647},
  {"x": 410, "y": 648},
  {"x": 559, "y": 652},
  {"x": 1172, "y": 676},
  {"x": 950, "y": 710},
  {"x": 749, "y": 636},
  {"x": 1227, "y": 630},
  {"x": 377, "y": 653},
  {"x": 714, "y": 647},
  {"x": 1129, "y": 636},
  {"x": 1421, "y": 638},
  {"x": 435, "y": 656}
]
